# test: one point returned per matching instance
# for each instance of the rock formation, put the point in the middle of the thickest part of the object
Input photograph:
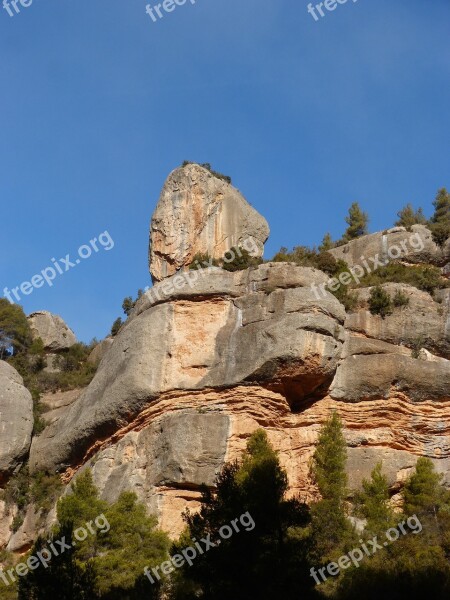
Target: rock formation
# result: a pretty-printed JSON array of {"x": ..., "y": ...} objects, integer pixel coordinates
[
  {"x": 207, "y": 356},
  {"x": 199, "y": 213},
  {"x": 52, "y": 330},
  {"x": 415, "y": 247},
  {"x": 16, "y": 420}
]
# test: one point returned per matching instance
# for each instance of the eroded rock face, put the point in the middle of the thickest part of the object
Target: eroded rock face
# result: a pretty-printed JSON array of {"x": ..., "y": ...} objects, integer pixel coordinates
[
  {"x": 283, "y": 338},
  {"x": 53, "y": 331},
  {"x": 396, "y": 431},
  {"x": 423, "y": 322},
  {"x": 199, "y": 213},
  {"x": 415, "y": 246},
  {"x": 16, "y": 419},
  {"x": 100, "y": 350}
]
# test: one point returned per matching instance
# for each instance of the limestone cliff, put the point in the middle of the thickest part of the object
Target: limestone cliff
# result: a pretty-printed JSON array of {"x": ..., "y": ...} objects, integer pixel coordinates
[{"x": 207, "y": 357}]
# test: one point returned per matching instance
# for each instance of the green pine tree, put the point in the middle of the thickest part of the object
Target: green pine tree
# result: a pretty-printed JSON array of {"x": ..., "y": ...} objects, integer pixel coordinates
[
  {"x": 270, "y": 560},
  {"x": 357, "y": 222},
  {"x": 407, "y": 217},
  {"x": 372, "y": 502},
  {"x": 424, "y": 493},
  {"x": 327, "y": 243},
  {"x": 330, "y": 525},
  {"x": 15, "y": 332},
  {"x": 440, "y": 221}
]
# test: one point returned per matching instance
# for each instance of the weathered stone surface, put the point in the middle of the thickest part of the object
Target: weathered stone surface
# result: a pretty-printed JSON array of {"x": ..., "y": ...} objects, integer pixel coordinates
[
  {"x": 180, "y": 450},
  {"x": 16, "y": 419},
  {"x": 286, "y": 339},
  {"x": 53, "y": 331},
  {"x": 7, "y": 514},
  {"x": 383, "y": 375},
  {"x": 22, "y": 540},
  {"x": 58, "y": 403},
  {"x": 218, "y": 282},
  {"x": 396, "y": 430},
  {"x": 423, "y": 321},
  {"x": 197, "y": 212},
  {"x": 100, "y": 350},
  {"x": 415, "y": 246}
]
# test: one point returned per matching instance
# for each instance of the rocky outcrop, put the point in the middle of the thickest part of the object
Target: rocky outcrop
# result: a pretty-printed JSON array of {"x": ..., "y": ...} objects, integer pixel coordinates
[
  {"x": 282, "y": 337},
  {"x": 16, "y": 420},
  {"x": 414, "y": 247},
  {"x": 7, "y": 514},
  {"x": 52, "y": 330},
  {"x": 422, "y": 323},
  {"x": 100, "y": 350},
  {"x": 199, "y": 213}
]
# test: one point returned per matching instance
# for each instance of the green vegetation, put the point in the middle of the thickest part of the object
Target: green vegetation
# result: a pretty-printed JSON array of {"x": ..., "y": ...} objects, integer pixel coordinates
[
  {"x": 236, "y": 259},
  {"x": 202, "y": 260},
  {"x": 127, "y": 306},
  {"x": 268, "y": 560},
  {"x": 372, "y": 502},
  {"x": 380, "y": 302},
  {"x": 15, "y": 333},
  {"x": 208, "y": 167},
  {"x": 400, "y": 299},
  {"x": 407, "y": 217},
  {"x": 330, "y": 527},
  {"x": 424, "y": 277},
  {"x": 75, "y": 371},
  {"x": 109, "y": 563},
  {"x": 357, "y": 222},
  {"x": 269, "y": 556},
  {"x": 116, "y": 326},
  {"x": 440, "y": 221},
  {"x": 23, "y": 489},
  {"x": 239, "y": 259}
]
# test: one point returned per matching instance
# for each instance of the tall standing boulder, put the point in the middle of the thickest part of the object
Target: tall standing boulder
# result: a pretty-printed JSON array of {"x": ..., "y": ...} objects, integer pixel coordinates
[
  {"x": 52, "y": 330},
  {"x": 16, "y": 419},
  {"x": 198, "y": 212}
]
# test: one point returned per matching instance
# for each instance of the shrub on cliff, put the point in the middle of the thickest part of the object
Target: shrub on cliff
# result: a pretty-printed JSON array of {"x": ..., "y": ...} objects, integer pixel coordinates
[
  {"x": 208, "y": 167},
  {"x": 239, "y": 259},
  {"x": 424, "y": 277},
  {"x": 380, "y": 302}
]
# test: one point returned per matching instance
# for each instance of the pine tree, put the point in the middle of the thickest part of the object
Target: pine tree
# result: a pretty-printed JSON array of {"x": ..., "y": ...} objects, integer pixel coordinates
[
  {"x": 440, "y": 221},
  {"x": 116, "y": 326},
  {"x": 423, "y": 492},
  {"x": 327, "y": 243},
  {"x": 407, "y": 217},
  {"x": 329, "y": 523},
  {"x": 373, "y": 502},
  {"x": 15, "y": 333},
  {"x": 357, "y": 222},
  {"x": 269, "y": 561}
]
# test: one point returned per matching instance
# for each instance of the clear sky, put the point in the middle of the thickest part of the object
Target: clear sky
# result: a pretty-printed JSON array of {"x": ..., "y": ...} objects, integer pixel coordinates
[{"x": 99, "y": 103}]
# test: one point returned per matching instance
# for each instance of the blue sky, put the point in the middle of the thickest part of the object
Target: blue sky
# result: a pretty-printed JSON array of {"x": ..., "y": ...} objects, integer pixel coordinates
[{"x": 99, "y": 104}]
